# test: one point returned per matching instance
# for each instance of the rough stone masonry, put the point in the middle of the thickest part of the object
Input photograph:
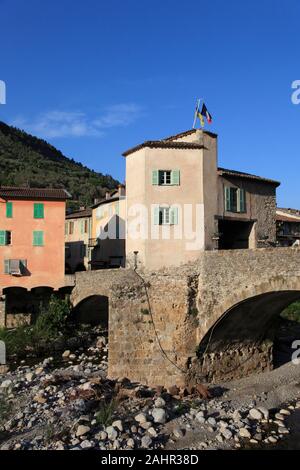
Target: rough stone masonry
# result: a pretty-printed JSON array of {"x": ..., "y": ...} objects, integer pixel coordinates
[{"x": 159, "y": 320}]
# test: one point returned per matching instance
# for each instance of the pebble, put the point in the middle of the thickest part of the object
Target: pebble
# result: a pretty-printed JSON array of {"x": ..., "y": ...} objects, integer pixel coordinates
[
  {"x": 112, "y": 433},
  {"x": 140, "y": 418},
  {"x": 159, "y": 402},
  {"x": 243, "y": 432},
  {"x": 227, "y": 433},
  {"x": 82, "y": 430},
  {"x": 118, "y": 424},
  {"x": 254, "y": 413},
  {"x": 146, "y": 442},
  {"x": 159, "y": 415}
]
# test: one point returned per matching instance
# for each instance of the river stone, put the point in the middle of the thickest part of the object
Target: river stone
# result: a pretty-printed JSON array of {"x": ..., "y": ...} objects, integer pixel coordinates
[
  {"x": 86, "y": 444},
  {"x": 285, "y": 412},
  {"x": 112, "y": 433},
  {"x": 82, "y": 430},
  {"x": 177, "y": 432},
  {"x": 118, "y": 424},
  {"x": 130, "y": 443},
  {"x": 146, "y": 442},
  {"x": 152, "y": 432},
  {"x": 140, "y": 418},
  {"x": 243, "y": 432},
  {"x": 254, "y": 413},
  {"x": 264, "y": 411},
  {"x": 6, "y": 383},
  {"x": 159, "y": 415},
  {"x": 159, "y": 402},
  {"x": 226, "y": 433}
]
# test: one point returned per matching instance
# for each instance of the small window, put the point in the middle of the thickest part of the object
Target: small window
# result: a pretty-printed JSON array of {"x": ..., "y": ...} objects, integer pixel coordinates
[
  {"x": 9, "y": 210},
  {"x": 71, "y": 228},
  {"x": 235, "y": 199},
  {"x": 5, "y": 237},
  {"x": 38, "y": 238},
  {"x": 164, "y": 177},
  {"x": 164, "y": 215},
  {"x": 38, "y": 210}
]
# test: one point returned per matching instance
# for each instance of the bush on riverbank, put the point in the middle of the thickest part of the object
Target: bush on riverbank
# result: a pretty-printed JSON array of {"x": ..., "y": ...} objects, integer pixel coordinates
[
  {"x": 50, "y": 323},
  {"x": 292, "y": 312}
]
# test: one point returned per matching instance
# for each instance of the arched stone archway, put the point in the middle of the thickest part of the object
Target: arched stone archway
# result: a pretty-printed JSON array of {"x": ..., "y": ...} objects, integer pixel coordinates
[
  {"x": 241, "y": 340},
  {"x": 93, "y": 310}
]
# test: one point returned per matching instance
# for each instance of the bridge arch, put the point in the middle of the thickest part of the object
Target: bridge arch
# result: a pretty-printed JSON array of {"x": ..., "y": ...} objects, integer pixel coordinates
[
  {"x": 92, "y": 310},
  {"x": 239, "y": 334}
]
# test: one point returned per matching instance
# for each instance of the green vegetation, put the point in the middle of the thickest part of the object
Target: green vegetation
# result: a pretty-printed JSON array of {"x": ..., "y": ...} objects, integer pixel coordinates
[
  {"x": 292, "y": 312},
  {"x": 51, "y": 323},
  {"x": 105, "y": 414},
  {"x": 28, "y": 161}
]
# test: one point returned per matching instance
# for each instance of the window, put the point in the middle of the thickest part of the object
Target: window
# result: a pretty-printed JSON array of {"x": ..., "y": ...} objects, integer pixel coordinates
[
  {"x": 38, "y": 238},
  {"x": 71, "y": 228},
  {"x": 13, "y": 266},
  {"x": 38, "y": 210},
  {"x": 66, "y": 228},
  {"x": 166, "y": 177},
  {"x": 5, "y": 237},
  {"x": 9, "y": 210},
  {"x": 165, "y": 215},
  {"x": 235, "y": 199}
]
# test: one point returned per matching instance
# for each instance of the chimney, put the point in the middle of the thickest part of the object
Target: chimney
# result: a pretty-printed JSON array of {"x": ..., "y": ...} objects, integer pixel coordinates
[
  {"x": 107, "y": 195},
  {"x": 121, "y": 190}
]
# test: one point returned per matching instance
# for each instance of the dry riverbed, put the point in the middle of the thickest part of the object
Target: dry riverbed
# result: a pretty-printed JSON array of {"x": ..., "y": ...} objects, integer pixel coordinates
[{"x": 73, "y": 405}]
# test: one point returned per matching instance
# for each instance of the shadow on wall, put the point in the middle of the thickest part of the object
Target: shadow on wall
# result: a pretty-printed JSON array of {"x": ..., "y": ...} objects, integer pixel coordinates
[
  {"x": 241, "y": 341},
  {"x": 92, "y": 311}
]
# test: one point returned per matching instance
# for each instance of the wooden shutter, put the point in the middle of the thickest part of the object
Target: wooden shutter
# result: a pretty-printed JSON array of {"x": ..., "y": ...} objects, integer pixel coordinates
[
  {"x": 2, "y": 237},
  {"x": 174, "y": 216},
  {"x": 38, "y": 238},
  {"x": 154, "y": 177},
  {"x": 227, "y": 198},
  {"x": 6, "y": 266},
  {"x": 9, "y": 210},
  {"x": 156, "y": 215},
  {"x": 241, "y": 200},
  {"x": 175, "y": 177},
  {"x": 38, "y": 210}
]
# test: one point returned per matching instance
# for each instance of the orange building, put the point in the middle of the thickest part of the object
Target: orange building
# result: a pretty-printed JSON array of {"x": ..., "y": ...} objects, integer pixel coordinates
[
  {"x": 32, "y": 245},
  {"x": 32, "y": 237}
]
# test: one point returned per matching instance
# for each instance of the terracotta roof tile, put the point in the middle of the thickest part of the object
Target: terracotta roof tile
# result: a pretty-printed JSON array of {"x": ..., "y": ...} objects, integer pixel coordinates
[
  {"x": 164, "y": 144},
  {"x": 240, "y": 174},
  {"x": 80, "y": 214},
  {"x": 11, "y": 192}
]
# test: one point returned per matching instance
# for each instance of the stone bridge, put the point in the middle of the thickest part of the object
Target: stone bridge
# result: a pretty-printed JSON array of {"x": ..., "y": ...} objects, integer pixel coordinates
[{"x": 211, "y": 319}]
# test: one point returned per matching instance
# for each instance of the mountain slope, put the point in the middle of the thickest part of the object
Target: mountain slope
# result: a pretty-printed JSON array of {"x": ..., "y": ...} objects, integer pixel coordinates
[{"x": 28, "y": 161}]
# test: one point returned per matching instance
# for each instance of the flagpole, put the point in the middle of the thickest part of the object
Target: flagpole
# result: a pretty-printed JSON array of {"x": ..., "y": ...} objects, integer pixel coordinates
[{"x": 196, "y": 111}]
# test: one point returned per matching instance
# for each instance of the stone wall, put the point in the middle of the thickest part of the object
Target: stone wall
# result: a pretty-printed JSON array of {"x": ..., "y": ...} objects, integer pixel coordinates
[{"x": 249, "y": 288}]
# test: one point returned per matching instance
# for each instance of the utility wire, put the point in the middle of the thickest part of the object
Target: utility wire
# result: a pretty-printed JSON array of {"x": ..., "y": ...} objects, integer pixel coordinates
[{"x": 155, "y": 330}]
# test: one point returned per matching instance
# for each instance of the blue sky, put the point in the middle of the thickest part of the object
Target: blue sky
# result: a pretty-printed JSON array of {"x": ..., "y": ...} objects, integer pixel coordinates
[{"x": 96, "y": 77}]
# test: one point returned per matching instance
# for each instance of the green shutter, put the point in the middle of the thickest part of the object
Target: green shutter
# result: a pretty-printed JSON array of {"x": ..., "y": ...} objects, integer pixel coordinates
[
  {"x": 241, "y": 200},
  {"x": 38, "y": 238},
  {"x": 156, "y": 215},
  {"x": 227, "y": 198},
  {"x": 175, "y": 177},
  {"x": 38, "y": 210},
  {"x": 154, "y": 177},
  {"x": 9, "y": 210},
  {"x": 2, "y": 237},
  {"x": 174, "y": 216},
  {"x": 6, "y": 266}
]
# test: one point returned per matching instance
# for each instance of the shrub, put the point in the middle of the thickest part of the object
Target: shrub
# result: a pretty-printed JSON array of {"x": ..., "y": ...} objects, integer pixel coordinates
[
  {"x": 105, "y": 414},
  {"x": 292, "y": 312}
]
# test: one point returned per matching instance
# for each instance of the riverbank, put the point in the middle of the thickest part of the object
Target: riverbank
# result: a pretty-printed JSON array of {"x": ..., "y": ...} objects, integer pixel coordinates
[{"x": 71, "y": 404}]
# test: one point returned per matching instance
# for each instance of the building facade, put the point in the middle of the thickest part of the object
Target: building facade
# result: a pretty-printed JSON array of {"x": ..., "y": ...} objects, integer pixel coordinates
[
  {"x": 78, "y": 229},
  {"x": 187, "y": 204},
  {"x": 108, "y": 231},
  {"x": 32, "y": 253},
  {"x": 288, "y": 226}
]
